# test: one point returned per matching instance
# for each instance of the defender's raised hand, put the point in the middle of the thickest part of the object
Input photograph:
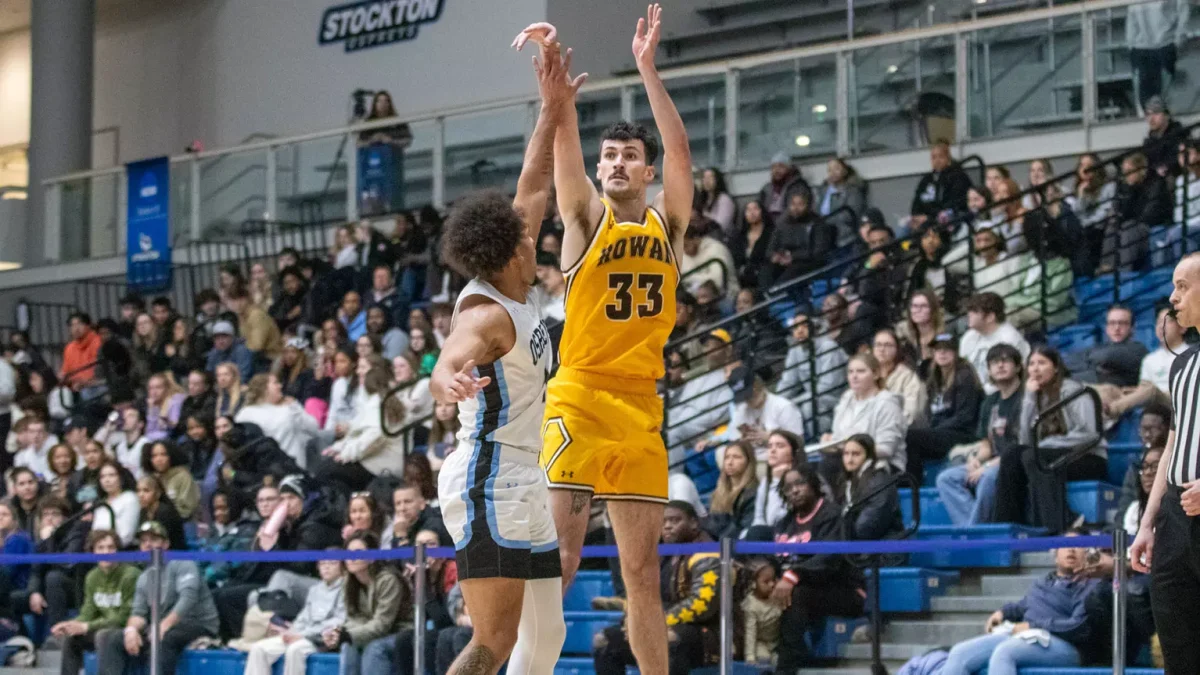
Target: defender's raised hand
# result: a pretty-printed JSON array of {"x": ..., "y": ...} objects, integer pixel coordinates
[
  {"x": 645, "y": 39},
  {"x": 541, "y": 32},
  {"x": 465, "y": 385}
]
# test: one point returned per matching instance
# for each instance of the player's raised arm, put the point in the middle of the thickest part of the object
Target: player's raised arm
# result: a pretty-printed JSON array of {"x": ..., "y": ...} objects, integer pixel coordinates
[
  {"x": 482, "y": 333},
  {"x": 555, "y": 86},
  {"x": 676, "y": 198}
]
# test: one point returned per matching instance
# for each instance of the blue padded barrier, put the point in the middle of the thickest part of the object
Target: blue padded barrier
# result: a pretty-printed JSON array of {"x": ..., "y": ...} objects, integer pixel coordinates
[
  {"x": 581, "y": 626},
  {"x": 1094, "y": 500},
  {"x": 970, "y": 558},
  {"x": 911, "y": 589},
  {"x": 588, "y": 584}
]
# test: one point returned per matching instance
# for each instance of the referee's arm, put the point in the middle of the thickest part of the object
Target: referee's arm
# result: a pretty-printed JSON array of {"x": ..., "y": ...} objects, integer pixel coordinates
[{"x": 1143, "y": 545}]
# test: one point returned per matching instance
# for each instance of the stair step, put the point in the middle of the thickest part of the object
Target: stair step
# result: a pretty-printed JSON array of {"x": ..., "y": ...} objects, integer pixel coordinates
[
  {"x": 971, "y": 603},
  {"x": 49, "y": 658},
  {"x": 892, "y": 652},
  {"x": 1018, "y": 584},
  {"x": 940, "y": 630},
  {"x": 38, "y": 670},
  {"x": 1037, "y": 560}
]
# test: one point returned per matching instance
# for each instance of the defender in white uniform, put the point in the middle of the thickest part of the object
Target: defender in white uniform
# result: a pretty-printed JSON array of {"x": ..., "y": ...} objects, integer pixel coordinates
[{"x": 494, "y": 364}]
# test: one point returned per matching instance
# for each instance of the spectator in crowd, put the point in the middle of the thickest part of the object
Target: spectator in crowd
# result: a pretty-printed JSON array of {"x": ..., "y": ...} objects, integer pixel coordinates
[
  {"x": 1154, "y": 33},
  {"x": 931, "y": 270},
  {"x": 815, "y": 367},
  {"x": 117, "y": 492},
  {"x": 1021, "y": 481},
  {"x": 80, "y": 354},
  {"x": 344, "y": 252},
  {"x": 943, "y": 191},
  {"x": 1130, "y": 515},
  {"x": 324, "y": 609},
  {"x": 1161, "y": 145},
  {"x": 227, "y": 348},
  {"x": 190, "y": 612},
  {"x": 35, "y": 445},
  {"x": 26, "y": 490},
  {"x": 378, "y": 604},
  {"x": 288, "y": 310},
  {"x": 1152, "y": 431},
  {"x": 352, "y": 315},
  {"x": 156, "y": 507},
  {"x": 148, "y": 354},
  {"x": 260, "y": 333},
  {"x": 162, "y": 311},
  {"x": 423, "y": 349},
  {"x": 132, "y": 305},
  {"x": 1117, "y": 363},
  {"x": 877, "y": 285},
  {"x": 441, "y": 578},
  {"x": 123, "y": 436},
  {"x": 294, "y": 372},
  {"x": 1009, "y": 216},
  {"x": 784, "y": 450},
  {"x": 210, "y": 311},
  {"x": 230, "y": 529},
  {"x": 1093, "y": 202},
  {"x": 13, "y": 541},
  {"x": 812, "y": 586},
  {"x": 760, "y": 615},
  {"x": 441, "y": 317},
  {"x": 994, "y": 271},
  {"x": 969, "y": 490},
  {"x": 951, "y": 414},
  {"x": 417, "y": 399},
  {"x": 1153, "y": 378},
  {"x": 1047, "y": 627},
  {"x": 731, "y": 508},
  {"x": 553, "y": 285},
  {"x": 749, "y": 245},
  {"x": 443, "y": 430},
  {"x": 690, "y": 602},
  {"x": 411, "y": 513},
  {"x": 108, "y": 592},
  {"x": 715, "y": 203},
  {"x": 801, "y": 242},
  {"x": 249, "y": 460},
  {"x": 1143, "y": 202},
  {"x": 898, "y": 377},
  {"x": 280, "y": 417},
  {"x": 994, "y": 174},
  {"x": 786, "y": 180},
  {"x": 164, "y": 402},
  {"x": 842, "y": 187},
  {"x": 363, "y": 513},
  {"x": 85, "y": 484},
  {"x": 60, "y": 463},
  {"x": 755, "y": 411},
  {"x": 704, "y": 258},
  {"x": 987, "y": 327},
  {"x": 261, "y": 291},
  {"x": 199, "y": 445},
  {"x": 924, "y": 322},
  {"x": 230, "y": 392},
  {"x": 184, "y": 348},
  {"x": 364, "y": 452},
  {"x": 702, "y": 403},
  {"x": 1187, "y": 185},
  {"x": 867, "y": 407},
  {"x": 164, "y": 462},
  {"x": 200, "y": 400},
  {"x": 399, "y": 136},
  {"x": 871, "y": 511},
  {"x": 50, "y": 589}
]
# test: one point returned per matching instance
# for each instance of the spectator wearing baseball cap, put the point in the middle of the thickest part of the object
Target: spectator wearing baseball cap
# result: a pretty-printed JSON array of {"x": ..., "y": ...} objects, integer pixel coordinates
[
  {"x": 703, "y": 401},
  {"x": 1163, "y": 137},
  {"x": 756, "y": 413},
  {"x": 952, "y": 410},
  {"x": 228, "y": 348},
  {"x": 815, "y": 367},
  {"x": 785, "y": 181}
]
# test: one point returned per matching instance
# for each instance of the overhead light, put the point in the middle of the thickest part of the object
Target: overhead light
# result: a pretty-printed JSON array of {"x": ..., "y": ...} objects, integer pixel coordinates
[
  {"x": 893, "y": 68},
  {"x": 14, "y": 194},
  {"x": 820, "y": 108},
  {"x": 803, "y": 141},
  {"x": 9, "y": 266}
]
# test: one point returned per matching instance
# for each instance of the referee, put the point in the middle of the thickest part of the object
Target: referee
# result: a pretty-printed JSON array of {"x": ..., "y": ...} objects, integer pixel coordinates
[{"x": 1170, "y": 529}]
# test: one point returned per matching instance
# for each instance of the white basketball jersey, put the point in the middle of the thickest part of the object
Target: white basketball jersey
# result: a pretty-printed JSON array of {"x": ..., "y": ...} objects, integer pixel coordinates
[{"x": 509, "y": 409}]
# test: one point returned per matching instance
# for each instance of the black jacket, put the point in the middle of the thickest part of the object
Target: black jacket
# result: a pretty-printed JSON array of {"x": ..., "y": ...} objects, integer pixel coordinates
[
  {"x": 1163, "y": 150},
  {"x": 941, "y": 191},
  {"x": 879, "y": 517},
  {"x": 741, "y": 516},
  {"x": 691, "y": 587},
  {"x": 956, "y": 408},
  {"x": 68, "y": 539},
  {"x": 257, "y": 459},
  {"x": 1148, "y": 203},
  {"x": 823, "y": 568},
  {"x": 168, "y": 515},
  {"x": 204, "y": 405},
  {"x": 748, "y": 264},
  {"x": 809, "y": 239}
]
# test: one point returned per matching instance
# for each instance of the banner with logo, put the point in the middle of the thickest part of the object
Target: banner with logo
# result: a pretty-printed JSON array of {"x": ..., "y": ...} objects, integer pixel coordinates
[
  {"x": 373, "y": 23},
  {"x": 148, "y": 243}
]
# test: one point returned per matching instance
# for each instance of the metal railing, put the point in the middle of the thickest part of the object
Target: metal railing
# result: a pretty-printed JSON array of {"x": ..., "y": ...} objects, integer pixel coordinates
[{"x": 761, "y": 135}]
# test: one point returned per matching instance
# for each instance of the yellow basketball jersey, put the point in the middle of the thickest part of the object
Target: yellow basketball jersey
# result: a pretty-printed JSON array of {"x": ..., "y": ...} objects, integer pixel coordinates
[{"x": 620, "y": 302}]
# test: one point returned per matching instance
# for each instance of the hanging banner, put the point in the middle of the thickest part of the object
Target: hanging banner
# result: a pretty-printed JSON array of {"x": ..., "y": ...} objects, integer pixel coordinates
[{"x": 148, "y": 244}]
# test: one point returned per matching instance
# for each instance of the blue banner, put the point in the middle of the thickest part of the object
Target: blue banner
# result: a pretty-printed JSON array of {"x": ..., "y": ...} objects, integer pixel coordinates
[
  {"x": 380, "y": 177},
  {"x": 148, "y": 244}
]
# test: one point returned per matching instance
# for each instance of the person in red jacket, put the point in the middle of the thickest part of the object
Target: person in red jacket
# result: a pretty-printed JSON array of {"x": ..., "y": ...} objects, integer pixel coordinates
[{"x": 80, "y": 353}]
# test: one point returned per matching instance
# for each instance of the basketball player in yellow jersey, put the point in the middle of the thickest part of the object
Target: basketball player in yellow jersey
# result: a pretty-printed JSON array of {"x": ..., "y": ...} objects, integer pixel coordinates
[{"x": 602, "y": 434}]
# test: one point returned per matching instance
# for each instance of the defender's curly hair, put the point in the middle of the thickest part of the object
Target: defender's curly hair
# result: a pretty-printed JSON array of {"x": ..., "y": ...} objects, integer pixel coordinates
[
  {"x": 628, "y": 131},
  {"x": 482, "y": 234}
]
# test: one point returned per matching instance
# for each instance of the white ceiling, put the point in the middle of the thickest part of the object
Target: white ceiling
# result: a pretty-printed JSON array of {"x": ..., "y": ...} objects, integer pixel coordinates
[{"x": 14, "y": 14}]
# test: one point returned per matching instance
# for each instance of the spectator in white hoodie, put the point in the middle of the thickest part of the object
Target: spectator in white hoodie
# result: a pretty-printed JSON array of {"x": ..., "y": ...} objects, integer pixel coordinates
[
  {"x": 324, "y": 609},
  {"x": 869, "y": 408},
  {"x": 706, "y": 259},
  {"x": 988, "y": 327},
  {"x": 365, "y": 452},
  {"x": 280, "y": 417}
]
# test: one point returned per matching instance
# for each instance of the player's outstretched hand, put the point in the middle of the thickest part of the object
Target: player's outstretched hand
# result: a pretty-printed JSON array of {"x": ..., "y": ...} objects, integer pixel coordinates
[
  {"x": 645, "y": 39},
  {"x": 554, "y": 76},
  {"x": 541, "y": 32},
  {"x": 465, "y": 385}
]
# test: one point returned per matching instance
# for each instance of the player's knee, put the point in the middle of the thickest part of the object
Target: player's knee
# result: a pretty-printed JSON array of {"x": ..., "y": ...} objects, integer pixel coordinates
[
  {"x": 640, "y": 569},
  {"x": 498, "y": 639},
  {"x": 569, "y": 561}
]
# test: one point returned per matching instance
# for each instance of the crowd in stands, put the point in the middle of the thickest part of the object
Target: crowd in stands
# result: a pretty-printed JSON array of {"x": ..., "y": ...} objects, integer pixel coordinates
[{"x": 258, "y": 424}]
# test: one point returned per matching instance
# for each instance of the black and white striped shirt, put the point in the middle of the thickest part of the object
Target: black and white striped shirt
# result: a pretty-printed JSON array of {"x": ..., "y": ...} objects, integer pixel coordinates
[{"x": 1185, "y": 398}]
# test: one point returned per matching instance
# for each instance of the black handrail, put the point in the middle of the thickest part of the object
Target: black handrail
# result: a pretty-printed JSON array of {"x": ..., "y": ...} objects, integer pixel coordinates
[
  {"x": 962, "y": 163},
  {"x": 100, "y": 503},
  {"x": 713, "y": 261},
  {"x": 1075, "y": 453}
]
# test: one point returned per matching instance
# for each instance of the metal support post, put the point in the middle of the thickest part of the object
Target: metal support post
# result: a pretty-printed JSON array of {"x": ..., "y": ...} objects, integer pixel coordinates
[
  {"x": 351, "y": 177},
  {"x": 726, "y": 606},
  {"x": 1120, "y": 561},
  {"x": 877, "y": 667},
  {"x": 842, "y": 91},
  {"x": 962, "y": 114},
  {"x": 627, "y": 104},
  {"x": 156, "y": 566},
  {"x": 732, "y": 111},
  {"x": 271, "y": 212},
  {"x": 1088, "y": 63},
  {"x": 439, "y": 163},
  {"x": 419, "y": 593}
]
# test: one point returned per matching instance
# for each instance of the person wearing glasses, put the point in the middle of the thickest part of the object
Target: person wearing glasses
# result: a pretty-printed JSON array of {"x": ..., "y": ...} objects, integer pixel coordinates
[{"x": 1119, "y": 361}]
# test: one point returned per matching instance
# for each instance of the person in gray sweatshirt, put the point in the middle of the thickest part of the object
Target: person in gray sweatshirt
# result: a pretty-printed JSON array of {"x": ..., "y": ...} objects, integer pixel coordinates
[
  {"x": 324, "y": 609},
  {"x": 187, "y": 606},
  {"x": 1020, "y": 481}
]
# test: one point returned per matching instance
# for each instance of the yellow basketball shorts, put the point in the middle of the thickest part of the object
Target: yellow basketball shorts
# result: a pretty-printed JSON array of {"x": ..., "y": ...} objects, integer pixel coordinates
[{"x": 603, "y": 435}]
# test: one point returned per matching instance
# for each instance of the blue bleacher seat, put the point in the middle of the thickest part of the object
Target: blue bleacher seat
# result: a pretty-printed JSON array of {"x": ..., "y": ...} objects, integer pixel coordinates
[
  {"x": 932, "y": 469},
  {"x": 1126, "y": 428},
  {"x": 581, "y": 626},
  {"x": 933, "y": 510},
  {"x": 588, "y": 584},
  {"x": 1094, "y": 500},
  {"x": 826, "y": 640},
  {"x": 957, "y": 559},
  {"x": 911, "y": 589},
  {"x": 1120, "y": 456}
]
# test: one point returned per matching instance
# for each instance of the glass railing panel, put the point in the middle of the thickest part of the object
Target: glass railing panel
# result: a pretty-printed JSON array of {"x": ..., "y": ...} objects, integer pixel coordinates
[
  {"x": 1025, "y": 77},
  {"x": 701, "y": 104},
  {"x": 90, "y": 217},
  {"x": 310, "y": 179},
  {"x": 597, "y": 110},
  {"x": 789, "y": 106},
  {"x": 233, "y": 189},
  {"x": 901, "y": 95},
  {"x": 485, "y": 150},
  {"x": 180, "y": 203}
]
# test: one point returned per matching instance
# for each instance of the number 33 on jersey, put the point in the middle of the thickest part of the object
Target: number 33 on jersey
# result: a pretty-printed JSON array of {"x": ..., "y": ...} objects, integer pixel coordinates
[{"x": 620, "y": 302}]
